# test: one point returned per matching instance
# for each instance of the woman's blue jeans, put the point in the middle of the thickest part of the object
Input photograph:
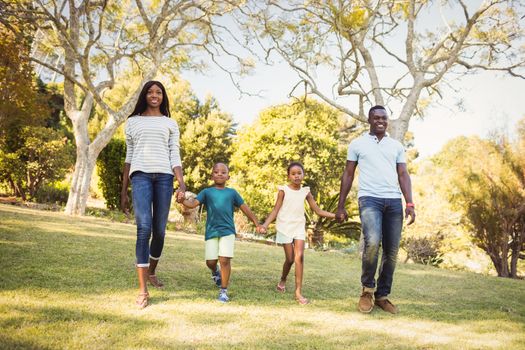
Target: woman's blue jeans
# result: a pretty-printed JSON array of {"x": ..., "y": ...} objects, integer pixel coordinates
[
  {"x": 382, "y": 221},
  {"x": 151, "y": 202}
]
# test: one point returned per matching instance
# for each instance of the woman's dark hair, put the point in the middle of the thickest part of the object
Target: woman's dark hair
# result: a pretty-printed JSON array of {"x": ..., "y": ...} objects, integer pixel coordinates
[
  {"x": 142, "y": 104},
  {"x": 292, "y": 164}
]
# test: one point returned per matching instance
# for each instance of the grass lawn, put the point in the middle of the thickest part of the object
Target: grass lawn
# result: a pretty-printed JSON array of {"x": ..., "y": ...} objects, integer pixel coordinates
[{"x": 69, "y": 283}]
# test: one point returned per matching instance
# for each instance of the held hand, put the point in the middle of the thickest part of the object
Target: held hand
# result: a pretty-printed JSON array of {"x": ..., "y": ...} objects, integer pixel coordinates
[
  {"x": 409, "y": 211},
  {"x": 341, "y": 215},
  {"x": 180, "y": 194},
  {"x": 124, "y": 203},
  {"x": 261, "y": 229}
]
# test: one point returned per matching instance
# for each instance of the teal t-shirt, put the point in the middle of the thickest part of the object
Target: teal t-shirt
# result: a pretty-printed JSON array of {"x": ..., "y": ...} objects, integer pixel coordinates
[{"x": 220, "y": 204}]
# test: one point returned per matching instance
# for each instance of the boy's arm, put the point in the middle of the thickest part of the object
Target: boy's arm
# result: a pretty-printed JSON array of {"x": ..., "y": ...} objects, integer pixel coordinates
[
  {"x": 191, "y": 203},
  {"x": 311, "y": 201},
  {"x": 246, "y": 210},
  {"x": 275, "y": 211}
]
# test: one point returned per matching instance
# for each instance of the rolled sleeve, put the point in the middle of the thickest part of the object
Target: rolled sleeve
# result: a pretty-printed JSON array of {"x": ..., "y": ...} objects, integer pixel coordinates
[
  {"x": 401, "y": 155},
  {"x": 352, "y": 152}
]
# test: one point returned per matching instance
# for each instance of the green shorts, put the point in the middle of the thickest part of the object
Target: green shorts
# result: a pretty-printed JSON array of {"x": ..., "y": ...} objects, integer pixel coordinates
[{"x": 222, "y": 246}]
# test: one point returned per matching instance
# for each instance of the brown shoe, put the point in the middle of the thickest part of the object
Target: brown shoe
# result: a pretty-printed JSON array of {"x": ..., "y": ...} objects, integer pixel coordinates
[
  {"x": 386, "y": 305},
  {"x": 155, "y": 281},
  {"x": 366, "y": 302}
]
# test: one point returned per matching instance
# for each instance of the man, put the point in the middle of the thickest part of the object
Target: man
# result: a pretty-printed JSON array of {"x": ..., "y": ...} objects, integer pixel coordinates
[{"x": 383, "y": 176}]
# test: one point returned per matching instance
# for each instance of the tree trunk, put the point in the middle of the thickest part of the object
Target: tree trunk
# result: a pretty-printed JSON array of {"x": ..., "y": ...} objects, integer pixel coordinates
[
  {"x": 399, "y": 127},
  {"x": 79, "y": 118},
  {"x": 514, "y": 263},
  {"x": 496, "y": 261},
  {"x": 505, "y": 258}
]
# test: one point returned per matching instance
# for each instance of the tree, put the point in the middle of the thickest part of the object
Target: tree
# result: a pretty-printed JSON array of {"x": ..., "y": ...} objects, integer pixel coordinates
[
  {"x": 307, "y": 131},
  {"x": 384, "y": 52},
  {"x": 30, "y": 153},
  {"x": 488, "y": 185},
  {"x": 92, "y": 42},
  {"x": 205, "y": 140},
  {"x": 44, "y": 156},
  {"x": 20, "y": 102}
]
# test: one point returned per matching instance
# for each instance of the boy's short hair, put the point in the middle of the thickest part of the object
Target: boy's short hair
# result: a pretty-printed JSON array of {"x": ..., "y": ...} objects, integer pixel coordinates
[{"x": 226, "y": 165}]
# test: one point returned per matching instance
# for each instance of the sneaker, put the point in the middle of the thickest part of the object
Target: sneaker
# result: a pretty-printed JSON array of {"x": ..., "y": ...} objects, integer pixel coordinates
[
  {"x": 386, "y": 305},
  {"x": 216, "y": 277},
  {"x": 223, "y": 296},
  {"x": 366, "y": 302}
]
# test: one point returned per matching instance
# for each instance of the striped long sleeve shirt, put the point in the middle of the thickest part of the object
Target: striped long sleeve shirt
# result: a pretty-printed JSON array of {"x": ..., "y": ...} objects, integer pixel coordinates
[{"x": 152, "y": 144}]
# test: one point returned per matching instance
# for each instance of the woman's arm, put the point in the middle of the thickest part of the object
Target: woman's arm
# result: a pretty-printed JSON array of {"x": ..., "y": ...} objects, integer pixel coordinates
[
  {"x": 177, "y": 170},
  {"x": 275, "y": 211},
  {"x": 311, "y": 201},
  {"x": 124, "y": 199}
]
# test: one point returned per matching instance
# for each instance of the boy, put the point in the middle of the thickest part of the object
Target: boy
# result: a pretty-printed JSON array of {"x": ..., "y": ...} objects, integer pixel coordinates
[{"x": 220, "y": 202}]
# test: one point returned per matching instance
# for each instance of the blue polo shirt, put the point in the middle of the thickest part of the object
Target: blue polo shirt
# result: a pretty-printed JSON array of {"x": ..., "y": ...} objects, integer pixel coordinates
[
  {"x": 377, "y": 162},
  {"x": 220, "y": 205}
]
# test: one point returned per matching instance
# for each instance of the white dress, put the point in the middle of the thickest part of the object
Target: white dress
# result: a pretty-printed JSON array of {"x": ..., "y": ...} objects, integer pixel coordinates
[{"x": 291, "y": 222}]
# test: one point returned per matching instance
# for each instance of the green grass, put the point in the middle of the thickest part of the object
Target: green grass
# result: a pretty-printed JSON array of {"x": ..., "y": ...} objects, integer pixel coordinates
[{"x": 69, "y": 283}]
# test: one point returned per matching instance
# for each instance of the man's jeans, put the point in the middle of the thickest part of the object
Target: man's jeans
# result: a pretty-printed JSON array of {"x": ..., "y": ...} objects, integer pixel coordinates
[
  {"x": 151, "y": 202},
  {"x": 382, "y": 221}
]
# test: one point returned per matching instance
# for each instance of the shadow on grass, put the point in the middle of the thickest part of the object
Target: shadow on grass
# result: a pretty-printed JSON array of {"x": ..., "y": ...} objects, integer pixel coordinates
[{"x": 67, "y": 328}]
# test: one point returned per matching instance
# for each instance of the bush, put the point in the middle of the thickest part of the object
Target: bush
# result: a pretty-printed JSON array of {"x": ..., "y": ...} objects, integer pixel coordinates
[
  {"x": 109, "y": 168},
  {"x": 52, "y": 193},
  {"x": 424, "y": 250}
]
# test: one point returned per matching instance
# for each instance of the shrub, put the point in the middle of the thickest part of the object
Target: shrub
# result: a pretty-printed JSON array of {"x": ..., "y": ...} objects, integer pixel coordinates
[
  {"x": 109, "y": 168},
  {"x": 52, "y": 193},
  {"x": 424, "y": 250}
]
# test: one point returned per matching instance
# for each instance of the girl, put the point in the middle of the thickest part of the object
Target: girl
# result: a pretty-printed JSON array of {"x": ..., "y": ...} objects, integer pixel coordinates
[
  {"x": 152, "y": 158},
  {"x": 290, "y": 225}
]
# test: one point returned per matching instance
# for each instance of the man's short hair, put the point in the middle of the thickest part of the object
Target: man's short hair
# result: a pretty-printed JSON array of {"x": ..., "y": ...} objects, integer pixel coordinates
[{"x": 374, "y": 108}]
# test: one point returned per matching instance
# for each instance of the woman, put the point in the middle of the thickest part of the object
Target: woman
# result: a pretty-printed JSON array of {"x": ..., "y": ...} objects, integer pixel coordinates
[{"x": 152, "y": 160}]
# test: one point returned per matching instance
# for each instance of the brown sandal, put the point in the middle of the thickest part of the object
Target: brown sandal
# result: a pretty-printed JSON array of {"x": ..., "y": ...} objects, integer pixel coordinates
[
  {"x": 155, "y": 282},
  {"x": 142, "y": 300}
]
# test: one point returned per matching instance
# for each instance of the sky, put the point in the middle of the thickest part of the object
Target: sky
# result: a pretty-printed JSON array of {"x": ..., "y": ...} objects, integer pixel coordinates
[{"x": 489, "y": 101}]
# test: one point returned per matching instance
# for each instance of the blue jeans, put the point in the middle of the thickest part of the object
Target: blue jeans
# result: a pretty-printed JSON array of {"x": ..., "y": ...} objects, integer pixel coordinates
[
  {"x": 151, "y": 202},
  {"x": 382, "y": 221}
]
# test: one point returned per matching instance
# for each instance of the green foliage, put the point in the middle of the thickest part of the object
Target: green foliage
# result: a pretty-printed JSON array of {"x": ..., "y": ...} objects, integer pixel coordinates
[
  {"x": 52, "y": 193},
  {"x": 110, "y": 163},
  {"x": 44, "y": 156},
  {"x": 309, "y": 132},
  {"x": 319, "y": 225},
  {"x": 20, "y": 102},
  {"x": 488, "y": 185},
  {"x": 206, "y": 139}
]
